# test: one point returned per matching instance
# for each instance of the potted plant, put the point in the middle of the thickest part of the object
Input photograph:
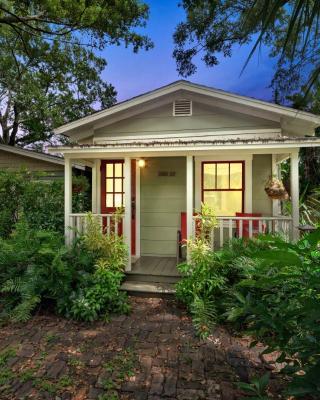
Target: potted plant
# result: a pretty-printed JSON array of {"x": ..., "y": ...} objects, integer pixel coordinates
[{"x": 275, "y": 189}]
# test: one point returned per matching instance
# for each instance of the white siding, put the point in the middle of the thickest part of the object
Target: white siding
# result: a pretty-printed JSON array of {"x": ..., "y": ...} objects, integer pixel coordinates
[{"x": 161, "y": 120}]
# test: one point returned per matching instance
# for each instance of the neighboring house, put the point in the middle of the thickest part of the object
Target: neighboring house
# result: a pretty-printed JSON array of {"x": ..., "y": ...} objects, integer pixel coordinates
[
  {"x": 16, "y": 158},
  {"x": 163, "y": 153}
]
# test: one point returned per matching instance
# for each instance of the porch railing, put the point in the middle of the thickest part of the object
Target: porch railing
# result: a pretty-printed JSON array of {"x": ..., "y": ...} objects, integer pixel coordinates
[
  {"x": 109, "y": 223},
  {"x": 241, "y": 227}
]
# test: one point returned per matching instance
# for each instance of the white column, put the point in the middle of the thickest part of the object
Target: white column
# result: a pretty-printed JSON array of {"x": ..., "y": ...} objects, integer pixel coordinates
[
  {"x": 138, "y": 218},
  {"x": 294, "y": 188},
  {"x": 248, "y": 184},
  {"x": 98, "y": 172},
  {"x": 67, "y": 199},
  {"x": 127, "y": 204},
  {"x": 190, "y": 195},
  {"x": 94, "y": 188},
  {"x": 275, "y": 172}
]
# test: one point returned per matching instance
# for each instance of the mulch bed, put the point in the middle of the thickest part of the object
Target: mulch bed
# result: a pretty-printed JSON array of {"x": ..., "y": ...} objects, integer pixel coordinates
[{"x": 151, "y": 354}]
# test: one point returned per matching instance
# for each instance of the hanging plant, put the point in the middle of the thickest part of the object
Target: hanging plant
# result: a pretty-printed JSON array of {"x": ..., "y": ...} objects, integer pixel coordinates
[{"x": 275, "y": 189}]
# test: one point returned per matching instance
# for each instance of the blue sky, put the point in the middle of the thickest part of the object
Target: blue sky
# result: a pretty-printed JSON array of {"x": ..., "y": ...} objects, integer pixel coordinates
[{"x": 133, "y": 74}]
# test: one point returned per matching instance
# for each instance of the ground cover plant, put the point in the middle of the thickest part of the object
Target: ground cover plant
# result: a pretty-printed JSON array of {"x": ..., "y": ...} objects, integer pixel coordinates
[
  {"x": 267, "y": 288},
  {"x": 81, "y": 282}
]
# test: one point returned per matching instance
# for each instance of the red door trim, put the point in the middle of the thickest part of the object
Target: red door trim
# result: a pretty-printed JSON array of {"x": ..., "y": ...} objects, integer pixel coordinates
[{"x": 106, "y": 210}]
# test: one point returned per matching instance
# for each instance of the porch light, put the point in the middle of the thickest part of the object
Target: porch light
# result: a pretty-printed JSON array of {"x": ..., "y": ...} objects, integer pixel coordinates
[{"x": 141, "y": 163}]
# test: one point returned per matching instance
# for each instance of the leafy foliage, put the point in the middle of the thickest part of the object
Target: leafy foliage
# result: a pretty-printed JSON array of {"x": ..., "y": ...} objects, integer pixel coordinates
[
  {"x": 32, "y": 270},
  {"x": 50, "y": 64},
  {"x": 98, "y": 295},
  {"x": 289, "y": 28},
  {"x": 204, "y": 315},
  {"x": 257, "y": 388},
  {"x": 270, "y": 289},
  {"x": 39, "y": 201},
  {"x": 81, "y": 282},
  {"x": 104, "y": 21}
]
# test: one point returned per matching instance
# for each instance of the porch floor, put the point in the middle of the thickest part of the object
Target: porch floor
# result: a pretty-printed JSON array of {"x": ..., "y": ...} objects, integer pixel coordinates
[
  {"x": 159, "y": 266},
  {"x": 152, "y": 276}
]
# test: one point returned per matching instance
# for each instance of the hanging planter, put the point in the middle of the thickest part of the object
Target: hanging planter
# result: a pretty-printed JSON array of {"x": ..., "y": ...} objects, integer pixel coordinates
[{"x": 275, "y": 189}]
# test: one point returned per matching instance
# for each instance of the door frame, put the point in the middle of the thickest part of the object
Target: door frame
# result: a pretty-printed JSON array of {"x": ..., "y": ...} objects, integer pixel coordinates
[{"x": 135, "y": 194}]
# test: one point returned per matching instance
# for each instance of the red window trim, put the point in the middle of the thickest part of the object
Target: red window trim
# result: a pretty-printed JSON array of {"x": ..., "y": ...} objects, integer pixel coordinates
[
  {"x": 104, "y": 207},
  {"x": 224, "y": 190}
]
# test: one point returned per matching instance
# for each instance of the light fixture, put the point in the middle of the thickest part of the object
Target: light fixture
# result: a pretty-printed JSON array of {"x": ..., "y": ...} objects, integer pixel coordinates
[{"x": 141, "y": 163}]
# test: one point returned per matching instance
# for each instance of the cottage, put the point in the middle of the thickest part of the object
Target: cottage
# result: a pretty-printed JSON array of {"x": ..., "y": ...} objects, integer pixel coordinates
[{"x": 163, "y": 153}]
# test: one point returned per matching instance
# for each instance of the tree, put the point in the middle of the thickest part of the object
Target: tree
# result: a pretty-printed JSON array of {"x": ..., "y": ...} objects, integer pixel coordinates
[
  {"x": 100, "y": 21},
  {"x": 290, "y": 28},
  {"x": 50, "y": 72}
]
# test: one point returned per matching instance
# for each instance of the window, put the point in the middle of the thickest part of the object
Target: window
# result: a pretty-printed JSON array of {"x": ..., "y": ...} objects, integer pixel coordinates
[
  {"x": 223, "y": 186},
  {"x": 114, "y": 184}
]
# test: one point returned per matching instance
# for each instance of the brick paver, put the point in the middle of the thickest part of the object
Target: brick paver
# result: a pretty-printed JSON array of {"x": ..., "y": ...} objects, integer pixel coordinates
[{"x": 151, "y": 354}]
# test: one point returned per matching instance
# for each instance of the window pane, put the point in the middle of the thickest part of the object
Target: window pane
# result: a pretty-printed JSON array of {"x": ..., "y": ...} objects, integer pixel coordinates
[
  {"x": 118, "y": 200},
  {"x": 109, "y": 185},
  {"x": 223, "y": 176},
  {"x": 209, "y": 176},
  {"x": 118, "y": 185},
  {"x": 109, "y": 200},
  {"x": 235, "y": 176},
  {"x": 224, "y": 203},
  {"x": 118, "y": 170},
  {"x": 109, "y": 171}
]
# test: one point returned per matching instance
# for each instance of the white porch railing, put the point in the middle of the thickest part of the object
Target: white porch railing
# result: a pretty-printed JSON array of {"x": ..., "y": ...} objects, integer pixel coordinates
[
  {"x": 247, "y": 227},
  {"x": 109, "y": 223}
]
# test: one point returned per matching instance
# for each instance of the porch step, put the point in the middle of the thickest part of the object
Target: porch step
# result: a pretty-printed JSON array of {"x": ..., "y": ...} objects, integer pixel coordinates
[
  {"x": 132, "y": 276},
  {"x": 148, "y": 288}
]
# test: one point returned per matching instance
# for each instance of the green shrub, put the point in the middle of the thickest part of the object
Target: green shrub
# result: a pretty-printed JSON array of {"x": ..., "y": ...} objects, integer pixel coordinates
[
  {"x": 268, "y": 288},
  {"x": 279, "y": 302},
  {"x": 32, "y": 269},
  {"x": 99, "y": 294},
  {"x": 81, "y": 282},
  {"x": 11, "y": 189},
  {"x": 39, "y": 201}
]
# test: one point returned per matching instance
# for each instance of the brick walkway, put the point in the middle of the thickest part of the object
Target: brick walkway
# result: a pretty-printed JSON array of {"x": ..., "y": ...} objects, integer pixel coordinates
[{"x": 150, "y": 354}]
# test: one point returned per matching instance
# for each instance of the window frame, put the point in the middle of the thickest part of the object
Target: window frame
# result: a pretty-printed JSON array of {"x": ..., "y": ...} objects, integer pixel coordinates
[
  {"x": 104, "y": 177},
  {"x": 243, "y": 188}
]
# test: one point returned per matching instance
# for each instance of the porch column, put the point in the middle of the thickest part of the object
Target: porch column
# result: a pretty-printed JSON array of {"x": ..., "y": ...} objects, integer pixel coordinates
[
  {"x": 189, "y": 202},
  {"x": 127, "y": 206},
  {"x": 67, "y": 199},
  {"x": 98, "y": 172},
  {"x": 294, "y": 188},
  {"x": 275, "y": 172},
  {"x": 94, "y": 188}
]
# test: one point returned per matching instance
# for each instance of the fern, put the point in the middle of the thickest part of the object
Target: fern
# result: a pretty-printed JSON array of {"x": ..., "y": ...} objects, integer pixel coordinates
[
  {"x": 23, "y": 311},
  {"x": 204, "y": 315},
  {"x": 13, "y": 285}
]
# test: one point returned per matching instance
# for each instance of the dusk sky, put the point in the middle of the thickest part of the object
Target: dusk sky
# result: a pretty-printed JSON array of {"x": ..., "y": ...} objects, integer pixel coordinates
[{"x": 133, "y": 74}]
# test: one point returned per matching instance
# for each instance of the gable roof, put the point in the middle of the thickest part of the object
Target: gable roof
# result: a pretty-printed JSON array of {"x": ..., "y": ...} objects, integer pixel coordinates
[
  {"x": 33, "y": 154},
  {"x": 280, "y": 112},
  {"x": 36, "y": 155}
]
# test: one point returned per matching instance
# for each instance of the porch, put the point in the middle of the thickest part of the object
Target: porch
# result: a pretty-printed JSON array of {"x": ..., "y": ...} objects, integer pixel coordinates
[{"x": 170, "y": 184}]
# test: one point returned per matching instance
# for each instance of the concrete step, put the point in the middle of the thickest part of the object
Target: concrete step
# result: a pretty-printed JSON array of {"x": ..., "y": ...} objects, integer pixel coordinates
[
  {"x": 141, "y": 277},
  {"x": 149, "y": 288}
]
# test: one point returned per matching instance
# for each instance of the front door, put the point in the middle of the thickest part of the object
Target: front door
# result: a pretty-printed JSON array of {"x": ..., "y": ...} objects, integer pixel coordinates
[{"x": 112, "y": 191}]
